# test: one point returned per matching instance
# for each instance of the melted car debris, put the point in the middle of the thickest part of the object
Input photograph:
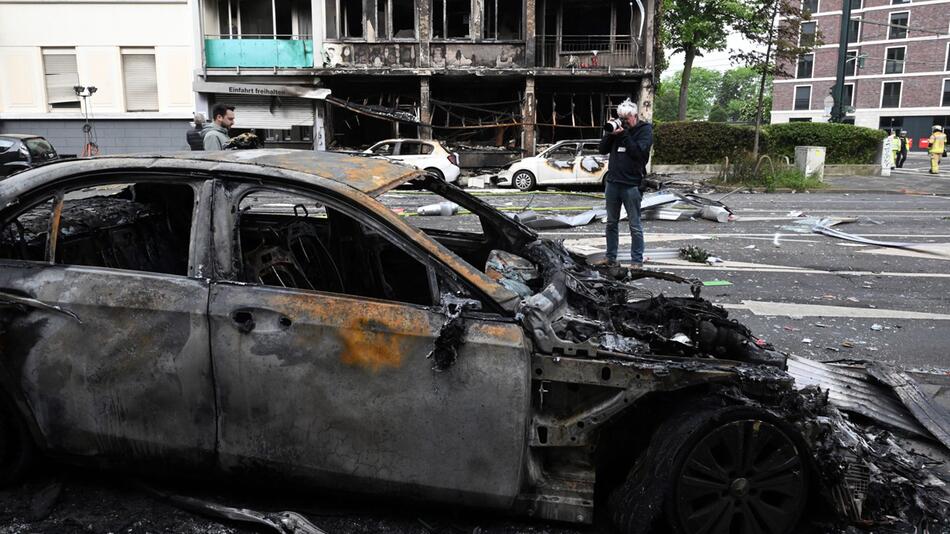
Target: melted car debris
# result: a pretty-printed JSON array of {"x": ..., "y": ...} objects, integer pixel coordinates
[{"x": 451, "y": 334}]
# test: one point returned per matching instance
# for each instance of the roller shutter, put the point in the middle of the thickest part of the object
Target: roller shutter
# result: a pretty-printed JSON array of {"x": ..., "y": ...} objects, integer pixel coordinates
[
  {"x": 270, "y": 112},
  {"x": 141, "y": 83}
]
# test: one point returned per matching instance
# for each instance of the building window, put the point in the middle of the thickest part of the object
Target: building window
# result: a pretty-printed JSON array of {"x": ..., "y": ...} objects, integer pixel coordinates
[
  {"x": 851, "y": 63},
  {"x": 855, "y": 4},
  {"x": 802, "y": 97},
  {"x": 807, "y": 36},
  {"x": 891, "y": 95},
  {"x": 898, "y": 27},
  {"x": 810, "y": 6},
  {"x": 59, "y": 67},
  {"x": 945, "y": 101},
  {"x": 502, "y": 19},
  {"x": 351, "y": 18},
  {"x": 947, "y": 58},
  {"x": 450, "y": 18},
  {"x": 854, "y": 30},
  {"x": 894, "y": 60},
  {"x": 896, "y": 2},
  {"x": 805, "y": 66},
  {"x": 848, "y": 94},
  {"x": 141, "y": 83}
]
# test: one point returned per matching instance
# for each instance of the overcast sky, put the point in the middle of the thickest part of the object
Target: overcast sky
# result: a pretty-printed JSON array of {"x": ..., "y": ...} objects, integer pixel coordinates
[{"x": 711, "y": 60}]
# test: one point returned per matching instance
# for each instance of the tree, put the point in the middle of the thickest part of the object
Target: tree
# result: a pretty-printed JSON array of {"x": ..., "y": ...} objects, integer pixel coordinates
[
  {"x": 737, "y": 88},
  {"x": 705, "y": 87},
  {"x": 697, "y": 26},
  {"x": 774, "y": 25}
]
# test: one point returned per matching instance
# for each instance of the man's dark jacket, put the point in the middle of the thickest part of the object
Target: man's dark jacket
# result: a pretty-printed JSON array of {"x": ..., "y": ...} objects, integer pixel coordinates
[
  {"x": 629, "y": 153},
  {"x": 195, "y": 139}
]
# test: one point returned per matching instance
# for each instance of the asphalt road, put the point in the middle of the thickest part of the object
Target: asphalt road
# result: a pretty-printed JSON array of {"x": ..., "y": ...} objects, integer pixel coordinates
[{"x": 809, "y": 294}]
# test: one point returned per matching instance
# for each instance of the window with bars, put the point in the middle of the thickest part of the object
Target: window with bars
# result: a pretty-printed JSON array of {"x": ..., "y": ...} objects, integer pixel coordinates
[
  {"x": 802, "y": 97},
  {"x": 141, "y": 82},
  {"x": 61, "y": 75},
  {"x": 898, "y": 25},
  {"x": 891, "y": 95},
  {"x": 805, "y": 66},
  {"x": 894, "y": 60}
]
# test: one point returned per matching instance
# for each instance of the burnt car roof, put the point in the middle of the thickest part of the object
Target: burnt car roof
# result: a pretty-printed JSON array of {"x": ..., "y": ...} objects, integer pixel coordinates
[{"x": 367, "y": 175}]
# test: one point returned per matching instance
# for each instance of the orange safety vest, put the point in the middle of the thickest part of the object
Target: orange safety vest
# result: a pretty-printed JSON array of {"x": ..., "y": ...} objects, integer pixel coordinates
[{"x": 938, "y": 142}]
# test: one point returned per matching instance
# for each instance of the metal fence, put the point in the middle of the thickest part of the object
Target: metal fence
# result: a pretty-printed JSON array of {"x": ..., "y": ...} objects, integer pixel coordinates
[{"x": 587, "y": 51}]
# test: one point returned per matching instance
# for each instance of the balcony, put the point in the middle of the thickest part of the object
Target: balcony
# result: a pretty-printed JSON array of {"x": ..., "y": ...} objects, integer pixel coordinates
[
  {"x": 588, "y": 51},
  {"x": 259, "y": 51}
]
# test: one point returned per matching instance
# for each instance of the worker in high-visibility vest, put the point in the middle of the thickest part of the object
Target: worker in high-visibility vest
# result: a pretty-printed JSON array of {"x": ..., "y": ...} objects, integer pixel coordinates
[
  {"x": 938, "y": 143},
  {"x": 895, "y": 147}
]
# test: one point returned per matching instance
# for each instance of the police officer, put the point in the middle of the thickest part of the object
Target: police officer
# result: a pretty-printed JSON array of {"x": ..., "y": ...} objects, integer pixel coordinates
[
  {"x": 628, "y": 141},
  {"x": 938, "y": 143}
]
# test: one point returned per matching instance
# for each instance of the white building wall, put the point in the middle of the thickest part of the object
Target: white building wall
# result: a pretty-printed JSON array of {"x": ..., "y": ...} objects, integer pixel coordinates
[{"x": 98, "y": 31}]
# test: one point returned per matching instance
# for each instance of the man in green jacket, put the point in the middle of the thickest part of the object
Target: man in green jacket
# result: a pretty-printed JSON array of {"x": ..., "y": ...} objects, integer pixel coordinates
[{"x": 215, "y": 133}]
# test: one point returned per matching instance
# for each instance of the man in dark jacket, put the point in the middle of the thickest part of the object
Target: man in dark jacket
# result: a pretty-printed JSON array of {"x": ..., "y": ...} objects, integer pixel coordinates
[
  {"x": 629, "y": 148},
  {"x": 195, "y": 139}
]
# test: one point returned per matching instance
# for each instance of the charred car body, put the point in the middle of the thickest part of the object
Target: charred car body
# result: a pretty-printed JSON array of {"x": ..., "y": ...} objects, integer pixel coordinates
[{"x": 261, "y": 313}]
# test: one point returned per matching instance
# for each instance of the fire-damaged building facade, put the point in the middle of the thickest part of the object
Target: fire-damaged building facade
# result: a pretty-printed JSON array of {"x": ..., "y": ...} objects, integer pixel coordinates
[{"x": 505, "y": 74}]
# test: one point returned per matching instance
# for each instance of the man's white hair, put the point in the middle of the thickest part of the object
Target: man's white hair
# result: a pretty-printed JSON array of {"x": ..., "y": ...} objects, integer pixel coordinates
[{"x": 626, "y": 108}]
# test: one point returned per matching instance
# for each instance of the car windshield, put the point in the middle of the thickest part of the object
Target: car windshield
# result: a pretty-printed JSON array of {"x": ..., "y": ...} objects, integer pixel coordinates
[{"x": 40, "y": 149}]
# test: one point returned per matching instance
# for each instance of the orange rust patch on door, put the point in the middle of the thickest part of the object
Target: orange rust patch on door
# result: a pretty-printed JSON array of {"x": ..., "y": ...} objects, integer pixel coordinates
[{"x": 371, "y": 344}]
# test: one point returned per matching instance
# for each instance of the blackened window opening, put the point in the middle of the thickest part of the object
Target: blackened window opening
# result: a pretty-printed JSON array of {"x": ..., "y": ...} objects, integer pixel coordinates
[
  {"x": 502, "y": 19},
  {"x": 351, "y": 18},
  {"x": 404, "y": 19},
  {"x": 450, "y": 18}
]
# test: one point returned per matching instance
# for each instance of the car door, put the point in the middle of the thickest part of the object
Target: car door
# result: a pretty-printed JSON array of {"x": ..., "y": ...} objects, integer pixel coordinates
[
  {"x": 559, "y": 165},
  {"x": 323, "y": 371},
  {"x": 104, "y": 320},
  {"x": 591, "y": 164}
]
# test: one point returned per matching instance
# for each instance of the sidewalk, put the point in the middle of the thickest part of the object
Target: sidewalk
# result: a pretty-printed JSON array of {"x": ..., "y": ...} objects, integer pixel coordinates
[{"x": 920, "y": 184}]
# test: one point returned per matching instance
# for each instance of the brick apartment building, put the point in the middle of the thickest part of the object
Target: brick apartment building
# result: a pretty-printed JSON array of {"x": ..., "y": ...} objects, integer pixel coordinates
[
  {"x": 329, "y": 74},
  {"x": 905, "y": 78}
]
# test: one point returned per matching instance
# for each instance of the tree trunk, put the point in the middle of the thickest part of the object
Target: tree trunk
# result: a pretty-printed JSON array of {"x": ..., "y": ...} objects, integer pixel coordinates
[
  {"x": 765, "y": 69},
  {"x": 684, "y": 83}
]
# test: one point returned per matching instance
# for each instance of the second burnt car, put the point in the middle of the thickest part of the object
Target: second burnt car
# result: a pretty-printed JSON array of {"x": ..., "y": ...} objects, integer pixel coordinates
[
  {"x": 261, "y": 314},
  {"x": 572, "y": 162}
]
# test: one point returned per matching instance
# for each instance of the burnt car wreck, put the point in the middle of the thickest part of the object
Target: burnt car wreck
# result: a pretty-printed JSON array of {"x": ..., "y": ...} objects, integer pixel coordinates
[{"x": 260, "y": 313}]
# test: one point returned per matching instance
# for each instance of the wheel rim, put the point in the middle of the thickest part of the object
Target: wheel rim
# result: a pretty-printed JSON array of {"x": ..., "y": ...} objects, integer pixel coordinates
[
  {"x": 744, "y": 477},
  {"x": 523, "y": 180}
]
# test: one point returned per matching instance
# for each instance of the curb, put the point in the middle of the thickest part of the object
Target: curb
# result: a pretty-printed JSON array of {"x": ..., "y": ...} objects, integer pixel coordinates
[{"x": 720, "y": 189}]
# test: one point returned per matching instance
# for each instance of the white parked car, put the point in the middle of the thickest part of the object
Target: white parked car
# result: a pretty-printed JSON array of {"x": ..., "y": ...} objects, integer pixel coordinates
[
  {"x": 577, "y": 161},
  {"x": 426, "y": 155}
]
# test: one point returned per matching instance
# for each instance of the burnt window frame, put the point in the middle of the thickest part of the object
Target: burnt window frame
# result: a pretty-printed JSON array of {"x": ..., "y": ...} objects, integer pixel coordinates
[
  {"x": 519, "y": 36},
  {"x": 468, "y": 37},
  {"x": 231, "y": 189},
  {"x": 58, "y": 190}
]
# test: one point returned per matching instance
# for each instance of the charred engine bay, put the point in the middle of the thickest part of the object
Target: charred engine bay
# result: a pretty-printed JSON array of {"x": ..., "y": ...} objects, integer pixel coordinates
[{"x": 583, "y": 309}]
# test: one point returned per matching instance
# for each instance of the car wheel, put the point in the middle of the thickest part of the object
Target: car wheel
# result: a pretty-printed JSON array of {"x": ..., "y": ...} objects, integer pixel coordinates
[
  {"x": 524, "y": 180},
  {"x": 436, "y": 172},
  {"x": 16, "y": 446},
  {"x": 727, "y": 470}
]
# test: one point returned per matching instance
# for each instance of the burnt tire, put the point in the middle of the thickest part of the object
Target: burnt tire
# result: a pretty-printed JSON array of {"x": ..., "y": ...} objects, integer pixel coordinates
[
  {"x": 524, "y": 180},
  {"x": 726, "y": 470},
  {"x": 16, "y": 445}
]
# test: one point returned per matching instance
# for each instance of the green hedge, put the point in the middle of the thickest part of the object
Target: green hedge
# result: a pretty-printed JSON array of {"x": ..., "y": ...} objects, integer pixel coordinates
[
  {"x": 679, "y": 143},
  {"x": 845, "y": 144}
]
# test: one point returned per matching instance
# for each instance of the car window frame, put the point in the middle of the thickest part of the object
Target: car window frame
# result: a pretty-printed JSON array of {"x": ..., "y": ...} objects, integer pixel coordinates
[
  {"x": 230, "y": 188},
  {"x": 552, "y": 150},
  {"x": 57, "y": 192}
]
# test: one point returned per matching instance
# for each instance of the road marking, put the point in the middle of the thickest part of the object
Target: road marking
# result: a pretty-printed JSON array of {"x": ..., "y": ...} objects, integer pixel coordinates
[
  {"x": 801, "y": 270},
  {"x": 940, "y": 251},
  {"x": 790, "y": 309}
]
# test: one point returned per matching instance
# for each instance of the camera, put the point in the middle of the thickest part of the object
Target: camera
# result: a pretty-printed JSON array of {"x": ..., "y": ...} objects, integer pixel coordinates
[{"x": 613, "y": 125}]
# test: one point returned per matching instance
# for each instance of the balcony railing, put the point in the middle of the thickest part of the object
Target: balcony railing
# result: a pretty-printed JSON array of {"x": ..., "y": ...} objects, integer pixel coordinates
[
  {"x": 259, "y": 51},
  {"x": 588, "y": 51}
]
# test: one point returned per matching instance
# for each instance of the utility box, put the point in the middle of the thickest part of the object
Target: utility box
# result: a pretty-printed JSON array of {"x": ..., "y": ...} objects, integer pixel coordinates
[{"x": 811, "y": 161}]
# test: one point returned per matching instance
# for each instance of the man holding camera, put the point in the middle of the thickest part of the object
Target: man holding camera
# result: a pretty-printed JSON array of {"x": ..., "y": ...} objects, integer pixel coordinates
[{"x": 628, "y": 142}]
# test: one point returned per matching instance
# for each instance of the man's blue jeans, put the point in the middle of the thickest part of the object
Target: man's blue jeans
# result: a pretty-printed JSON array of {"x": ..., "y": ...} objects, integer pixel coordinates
[{"x": 629, "y": 197}]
